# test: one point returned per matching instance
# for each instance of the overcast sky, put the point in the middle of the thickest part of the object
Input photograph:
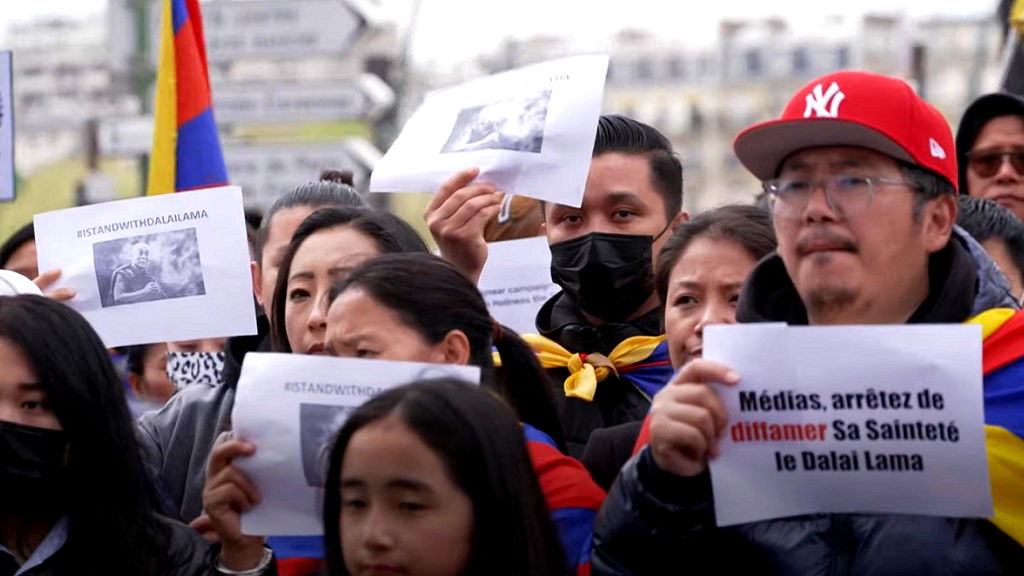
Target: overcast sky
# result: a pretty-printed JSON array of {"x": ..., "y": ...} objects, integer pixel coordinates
[{"x": 450, "y": 29}]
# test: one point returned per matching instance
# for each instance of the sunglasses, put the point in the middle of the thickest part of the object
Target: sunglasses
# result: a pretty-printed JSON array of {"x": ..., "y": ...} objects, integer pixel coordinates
[{"x": 986, "y": 163}]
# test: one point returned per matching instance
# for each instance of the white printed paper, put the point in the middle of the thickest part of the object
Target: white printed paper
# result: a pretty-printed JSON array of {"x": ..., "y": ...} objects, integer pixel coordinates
[
  {"x": 516, "y": 281},
  {"x": 290, "y": 407},
  {"x": 850, "y": 419},
  {"x": 6, "y": 127},
  {"x": 530, "y": 131},
  {"x": 154, "y": 269}
]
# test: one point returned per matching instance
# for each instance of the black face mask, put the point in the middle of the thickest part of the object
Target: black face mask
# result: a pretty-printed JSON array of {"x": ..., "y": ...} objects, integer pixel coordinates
[
  {"x": 32, "y": 469},
  {"x": 608, "y": 275}
]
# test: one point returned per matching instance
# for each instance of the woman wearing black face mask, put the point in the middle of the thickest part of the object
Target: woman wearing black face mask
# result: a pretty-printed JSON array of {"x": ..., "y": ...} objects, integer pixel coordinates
[{"x": 73, "y": 496}]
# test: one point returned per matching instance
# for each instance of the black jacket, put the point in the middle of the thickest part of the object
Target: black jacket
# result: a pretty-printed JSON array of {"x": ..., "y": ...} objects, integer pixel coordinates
[
  {"x": 617, "y": 401},
  {"x": 187, "y": 553},
  {"x": 655, "y": 523},
  {"x": 176, "y": 440},
  {"x": 608, "y": 451}
]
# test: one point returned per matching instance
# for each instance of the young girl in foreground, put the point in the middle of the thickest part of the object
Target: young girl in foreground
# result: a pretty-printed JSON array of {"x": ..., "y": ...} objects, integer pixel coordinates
[{"x": 434, "y": 479}]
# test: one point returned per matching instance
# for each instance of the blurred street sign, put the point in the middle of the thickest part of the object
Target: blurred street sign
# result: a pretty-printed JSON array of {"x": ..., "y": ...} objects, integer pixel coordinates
[
  {"x": 131, "y": 136},
  {"x": 276, "y": 29},
  {"x": 265, "y": 171},
  {"x": 6, "y": 127},
  {"x": 366, "y": 98}
]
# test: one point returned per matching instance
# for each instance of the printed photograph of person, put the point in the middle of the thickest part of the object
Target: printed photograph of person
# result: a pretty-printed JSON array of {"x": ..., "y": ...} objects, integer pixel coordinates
[
  {"x": 318, "y": 423},
  {"x": 148, "y": 268},
  {"x": 512, "y": 124}
]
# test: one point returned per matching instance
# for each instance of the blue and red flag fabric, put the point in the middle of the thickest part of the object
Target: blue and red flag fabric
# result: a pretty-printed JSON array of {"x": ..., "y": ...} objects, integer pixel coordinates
[
  {"x": 186, "y": 152},
  {"x": 572, "y": 496},
  {"x": 1002, "y": 361}
]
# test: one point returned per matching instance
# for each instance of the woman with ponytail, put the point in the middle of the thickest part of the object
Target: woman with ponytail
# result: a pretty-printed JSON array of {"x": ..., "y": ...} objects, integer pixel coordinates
[{"x": 419, "y": 308}]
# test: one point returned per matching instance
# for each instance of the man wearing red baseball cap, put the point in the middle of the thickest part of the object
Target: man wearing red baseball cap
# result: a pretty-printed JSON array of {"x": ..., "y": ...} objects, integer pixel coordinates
[{"x": 861, "y": 175}]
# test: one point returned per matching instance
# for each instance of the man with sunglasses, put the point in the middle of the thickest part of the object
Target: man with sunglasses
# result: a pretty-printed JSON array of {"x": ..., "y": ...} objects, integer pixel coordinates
[
  {"x": 861, "y": 174},
  {"x": 990, "y": 150}
]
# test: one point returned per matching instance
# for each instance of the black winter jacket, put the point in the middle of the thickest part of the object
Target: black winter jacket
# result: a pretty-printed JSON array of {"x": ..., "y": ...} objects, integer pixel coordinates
[
  {"x": 655, "y": 523},
  {"x": 187, "y": 552},
  {"x": 617, "y": 400}
]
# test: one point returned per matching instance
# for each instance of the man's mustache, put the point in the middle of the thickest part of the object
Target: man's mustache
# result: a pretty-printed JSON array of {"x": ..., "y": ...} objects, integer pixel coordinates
[{"x": 824, "y": 240}]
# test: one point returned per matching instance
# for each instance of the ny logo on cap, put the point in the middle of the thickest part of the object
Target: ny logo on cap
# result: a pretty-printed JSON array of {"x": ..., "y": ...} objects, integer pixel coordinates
[{"x": 817, "y": 102}]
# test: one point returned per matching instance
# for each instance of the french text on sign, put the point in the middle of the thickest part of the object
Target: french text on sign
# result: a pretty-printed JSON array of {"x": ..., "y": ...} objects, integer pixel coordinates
[{"x": 850, "y": 419}]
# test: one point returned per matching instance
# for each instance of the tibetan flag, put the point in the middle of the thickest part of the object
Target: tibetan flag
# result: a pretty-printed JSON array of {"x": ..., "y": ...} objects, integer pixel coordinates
[
  {"x": 1003, "y": 367},
  {"x": 186, "y": 151},
  {"x": 1017, "y": 16},
  {"x": 572, "y": 497}
]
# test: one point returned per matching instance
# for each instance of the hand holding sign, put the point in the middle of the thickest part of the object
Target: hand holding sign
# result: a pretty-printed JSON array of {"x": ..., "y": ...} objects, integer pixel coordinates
[
  {"x": 688, "y": 418},
  {"x": 850, "y": 419},
  {"x": 457, "y": 216},
  {"x": 47, "y": 279},
  {"x": 229, "y": 493}
]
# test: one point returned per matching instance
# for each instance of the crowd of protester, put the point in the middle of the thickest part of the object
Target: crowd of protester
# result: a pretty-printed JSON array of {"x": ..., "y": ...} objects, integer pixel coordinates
[{"x": 585, "y": 448}]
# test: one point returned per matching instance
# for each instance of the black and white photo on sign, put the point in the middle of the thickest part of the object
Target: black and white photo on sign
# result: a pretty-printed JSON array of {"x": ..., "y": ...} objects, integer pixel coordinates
[
  {"x": 318, "y": 424},
  {"x": 511, "y": 124},
  {"x": 149, "y": 267}
]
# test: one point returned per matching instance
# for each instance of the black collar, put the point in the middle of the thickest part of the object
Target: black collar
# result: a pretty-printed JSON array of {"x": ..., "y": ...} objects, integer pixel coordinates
[
  {"x": 561, "y": 320},
  {"x": 769, "y": 295}
]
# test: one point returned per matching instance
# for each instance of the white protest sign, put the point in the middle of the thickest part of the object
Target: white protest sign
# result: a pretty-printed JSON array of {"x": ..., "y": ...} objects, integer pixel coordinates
[
  {"x": 850, "y": 419},
  {"x": 154, "y": 269},
  {"x": 6, "y": 127},
  {"x": 290, "y": 407},
  {"x": 516, "y": 281},
  {"x": 530, "y": 131}
]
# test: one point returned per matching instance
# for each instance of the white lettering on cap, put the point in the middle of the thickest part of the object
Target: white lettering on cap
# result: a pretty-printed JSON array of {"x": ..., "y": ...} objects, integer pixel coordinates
[
  {"x": 936, "y": 148},
  {"x": 824, "y": 105}
]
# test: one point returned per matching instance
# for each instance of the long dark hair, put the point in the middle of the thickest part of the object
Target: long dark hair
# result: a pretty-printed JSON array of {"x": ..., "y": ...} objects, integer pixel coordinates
[
  {"x": 391, "y": 234},
  {"x": 433, "y": 297},
  {"x": 748, "y": 226},
  {"x": 482, "y": 447},
  {"x": 332, "y": 189},
  {"x": 21, "y": 236},
  {"x": 110, "y": 506}
]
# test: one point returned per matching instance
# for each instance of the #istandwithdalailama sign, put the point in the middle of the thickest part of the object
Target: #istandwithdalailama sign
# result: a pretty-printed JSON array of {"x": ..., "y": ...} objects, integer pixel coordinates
[
  {"x": 850, "y": 419},
  {"x": 291, "y": 407},
  {"x": 154, "y": 269}
]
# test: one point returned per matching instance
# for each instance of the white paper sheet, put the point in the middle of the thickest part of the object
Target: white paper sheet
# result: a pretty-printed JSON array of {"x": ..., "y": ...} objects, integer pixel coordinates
[
  {"x": 6, "y": 127},
  {"x": 530, "y": 131},
  {"x": 912, "y": 393},
  {"x": 516, "y": 281},
  {"x": 193, "y": 282},
  {"x": 291, "y": 406}
]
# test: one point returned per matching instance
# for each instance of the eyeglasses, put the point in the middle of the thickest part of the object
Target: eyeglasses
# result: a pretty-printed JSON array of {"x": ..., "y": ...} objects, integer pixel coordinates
[
  {"x": 986, "y": 163},
  {"x": 846, "y": 195}
]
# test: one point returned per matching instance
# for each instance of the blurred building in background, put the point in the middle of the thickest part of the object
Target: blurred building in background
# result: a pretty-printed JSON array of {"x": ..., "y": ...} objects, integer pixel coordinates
[
  {"x": 702, "y": 97},
  {"x": 305, "y": 85},
  {"x": 62, "y": 80}
]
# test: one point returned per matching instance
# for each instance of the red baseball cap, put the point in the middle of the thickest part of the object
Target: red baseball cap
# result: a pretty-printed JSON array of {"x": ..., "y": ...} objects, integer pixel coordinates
[{"x": 851, "y": 108}]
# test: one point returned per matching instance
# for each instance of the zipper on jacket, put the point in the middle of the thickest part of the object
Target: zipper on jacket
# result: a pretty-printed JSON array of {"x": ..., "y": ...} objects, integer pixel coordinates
[
  {"x": 842, "y": 543},
  {"x": 640, "y": 390}
]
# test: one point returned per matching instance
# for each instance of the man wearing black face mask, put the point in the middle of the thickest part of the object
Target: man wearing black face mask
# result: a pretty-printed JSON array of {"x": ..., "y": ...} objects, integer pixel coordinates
[{"x": 607, "y": 316}]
